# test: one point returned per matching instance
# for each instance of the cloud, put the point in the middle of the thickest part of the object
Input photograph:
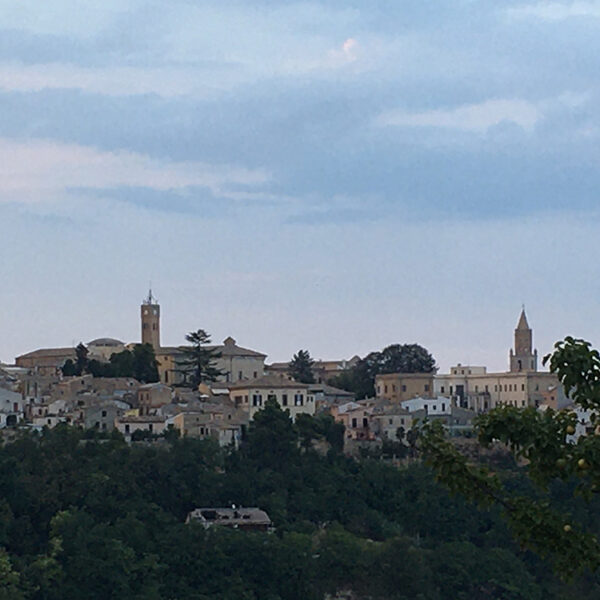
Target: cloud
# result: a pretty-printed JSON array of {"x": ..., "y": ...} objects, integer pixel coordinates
[
  {"x": 556, "y": 11},
  {"x": 470, "y": 117},
  {"x": 110, "y": 81},
  {"x": 38, "y": 170}
]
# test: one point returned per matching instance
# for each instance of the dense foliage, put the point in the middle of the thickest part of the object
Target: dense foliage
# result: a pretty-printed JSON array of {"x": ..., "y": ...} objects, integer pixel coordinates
[
  {"x": 86, "y": 516},
  {"x": 139, "y": 363},
  {"x": 301, "y": 367},
  {"x": 542, "y": 440},
  {"x": 198, "y": 364},
  {"x": 397, "y": 358}
]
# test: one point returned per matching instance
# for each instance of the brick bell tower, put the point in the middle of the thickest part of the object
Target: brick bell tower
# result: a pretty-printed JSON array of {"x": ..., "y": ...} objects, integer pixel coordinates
[
  {"x": 523, "y": 357},
  {"x": 150, "y": 313}
]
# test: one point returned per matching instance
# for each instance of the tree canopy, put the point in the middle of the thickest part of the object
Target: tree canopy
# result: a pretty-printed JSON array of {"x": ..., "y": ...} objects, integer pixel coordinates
[
  {"x": 139, "y": 363},
  {"x": 397, "y": 358},
  {"x": 301, "y": 367},
  {"x": 542, "y": 441},
  {"x": 86, "y": 515},
  {"x": 198, "y": 364}
]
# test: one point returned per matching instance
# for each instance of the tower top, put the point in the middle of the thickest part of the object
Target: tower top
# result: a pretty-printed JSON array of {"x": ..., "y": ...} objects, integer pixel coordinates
[
  {"x": 150, "y": 300},
  {"x": 523, "y": 324}
]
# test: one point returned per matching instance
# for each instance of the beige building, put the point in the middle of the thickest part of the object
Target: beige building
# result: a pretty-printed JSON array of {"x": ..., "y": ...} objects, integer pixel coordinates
[
  {"x": 235, "y": 362},
  {"x": 128, "y": 424},
  {"x": 204, "y": 425},
  {"x": 397, "y": 387},
  {"x": 523, "y": 385},
  {"x": 252, "y": 395},
  {"x": 46, "y": 361},
  {"x": 153, "y": 396},
  {"x": 104, "y": 348},
  {"x": 323, "y": 370}
]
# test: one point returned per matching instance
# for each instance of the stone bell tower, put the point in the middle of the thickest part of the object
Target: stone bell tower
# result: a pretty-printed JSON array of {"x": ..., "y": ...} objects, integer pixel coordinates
[
  {"x": 523, "y": 357},
  {"x": 150, "y": 312}
]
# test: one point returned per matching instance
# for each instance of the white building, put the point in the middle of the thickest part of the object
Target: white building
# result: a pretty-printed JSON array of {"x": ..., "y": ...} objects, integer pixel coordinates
[
  {"x": 11, "y": 408},
  {"x": 432, "y": 406}
]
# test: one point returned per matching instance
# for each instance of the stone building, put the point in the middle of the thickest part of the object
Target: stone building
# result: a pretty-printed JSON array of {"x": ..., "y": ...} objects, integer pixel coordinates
[{"x": 252, "y": 395}]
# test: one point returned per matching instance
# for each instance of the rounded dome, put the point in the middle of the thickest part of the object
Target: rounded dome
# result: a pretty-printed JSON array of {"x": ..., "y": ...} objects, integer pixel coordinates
[{"x": 106, "y": 342}]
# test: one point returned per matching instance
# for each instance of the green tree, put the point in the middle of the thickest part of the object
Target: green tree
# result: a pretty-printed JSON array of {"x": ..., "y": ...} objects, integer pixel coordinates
[
  {"x": 542, "y": 440},
  {"x": 69, "y": 369},
  {"x": 301, "y": 367},
  {"x": 198, "y": 363},
  {"x": 144, "y": 364},
  {"x": 397, "y": 358},
  {"x": 10, "y": 588},
  {"x": 81, "y": 360},
  {"x": 272, "y": 438}
]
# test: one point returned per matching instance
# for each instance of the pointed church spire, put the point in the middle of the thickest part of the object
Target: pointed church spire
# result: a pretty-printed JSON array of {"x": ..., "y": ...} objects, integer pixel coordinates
[{"x": 523, "y": 324}]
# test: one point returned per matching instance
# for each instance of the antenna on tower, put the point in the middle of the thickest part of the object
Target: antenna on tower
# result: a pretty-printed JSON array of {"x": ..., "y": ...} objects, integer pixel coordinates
[{"x": 150, "y": 299}]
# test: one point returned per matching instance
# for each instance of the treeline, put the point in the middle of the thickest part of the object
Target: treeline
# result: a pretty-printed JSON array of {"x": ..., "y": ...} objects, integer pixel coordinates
[
  {"x": 397, "y": 358},
  {"x": 87, "y": 516},
  {"x": 139, "y": 363}
]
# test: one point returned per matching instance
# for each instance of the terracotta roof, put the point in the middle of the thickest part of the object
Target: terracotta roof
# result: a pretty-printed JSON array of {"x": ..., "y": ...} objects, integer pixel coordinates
[
  {"x": 58, "y": 352},
  {"x": 225, "y": 350},
  {"x": 268, "y": 381}
]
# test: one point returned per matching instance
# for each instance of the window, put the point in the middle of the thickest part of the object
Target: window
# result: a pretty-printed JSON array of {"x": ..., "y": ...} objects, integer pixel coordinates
[
  {"x": 426, "y": 387},
  {"x": 298, "y": 399},
  {"x": 256, "y": 400},
  {"x": 284, "y": 400},
  {"x": 354, "y": 423},
  {"x": 391, "y": 421},
  {"x": 442, "y": 389},
  {"x": 434, "y": 407},
  {"x": 385, "y": 389},
  {"x": 505, "y": 388},
  {"x": 394, "y": 387},
  {"x": 127, "y": 428},
  {"x": 451, "y": 390},
  {"x": 240, "y": 375},
  {"x": 443, "y": 406},
  {"x": 495, "y": 388},
  {"x": 476, "y": 388},
  {"x": 486, "y": 388},
  {"x": 255, "y": 374},
  {"x": 462, "y": 372},
  {"x": 272, "y": 396},
  {"x": 403, "y": 388},
  {"x": 379, "y": 390},
  {"x": 365, "y": 422},
  {"x": 104, "y": 413},
  {"x": 522, "y": 387},
  {"x": 150, "y": 427}
]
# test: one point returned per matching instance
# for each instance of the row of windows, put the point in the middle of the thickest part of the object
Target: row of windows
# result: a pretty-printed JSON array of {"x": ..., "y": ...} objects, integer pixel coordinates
[
  {"x": 257, "y": 399},
  {"x": 402, "y": 387},
  {"x": 497, "y": 388}
]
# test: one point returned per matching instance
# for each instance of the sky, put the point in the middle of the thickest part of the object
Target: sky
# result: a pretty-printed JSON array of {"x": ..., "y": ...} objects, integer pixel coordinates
[{"x": 335, "y": 176}]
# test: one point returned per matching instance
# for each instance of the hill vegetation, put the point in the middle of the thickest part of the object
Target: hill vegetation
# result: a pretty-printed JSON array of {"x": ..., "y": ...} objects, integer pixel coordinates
[{"x": 89, "y": 516}]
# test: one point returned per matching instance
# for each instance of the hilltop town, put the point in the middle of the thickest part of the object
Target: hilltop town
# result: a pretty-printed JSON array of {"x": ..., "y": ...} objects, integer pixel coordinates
[{"x": 44, "y": 388}]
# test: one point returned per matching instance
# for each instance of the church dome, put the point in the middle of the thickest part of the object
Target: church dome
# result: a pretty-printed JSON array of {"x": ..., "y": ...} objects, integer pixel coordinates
[{"x": 106, "y": 342}]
